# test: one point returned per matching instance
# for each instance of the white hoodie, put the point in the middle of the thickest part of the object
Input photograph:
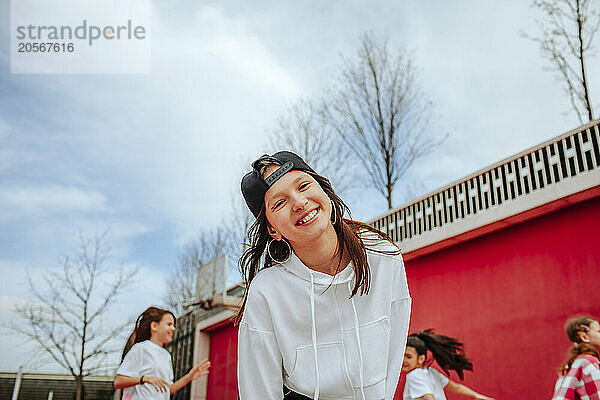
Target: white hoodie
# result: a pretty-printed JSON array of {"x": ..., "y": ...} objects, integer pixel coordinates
[{"x": 299, "y": 332}]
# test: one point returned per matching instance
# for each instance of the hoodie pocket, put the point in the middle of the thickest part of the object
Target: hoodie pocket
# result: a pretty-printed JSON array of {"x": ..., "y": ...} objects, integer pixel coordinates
[
  {"x": 375, "y": 346},
  {"x": 333, "y": 377}
]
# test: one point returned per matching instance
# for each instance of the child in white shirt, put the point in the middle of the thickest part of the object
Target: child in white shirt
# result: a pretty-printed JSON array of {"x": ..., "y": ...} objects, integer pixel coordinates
[
  {"x": 146, "y": 371},
  {"x": 424, "y": 382}
]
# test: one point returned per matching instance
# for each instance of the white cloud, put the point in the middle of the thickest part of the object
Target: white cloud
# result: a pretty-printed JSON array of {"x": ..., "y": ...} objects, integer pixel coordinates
[
  {"x": 216, "y": 37},
  {"x": 3, "y": 128},
  {"x": 249, "y": 57},
  {"x": 33, "y": 199},
  {"x": 168, "y": 147}
]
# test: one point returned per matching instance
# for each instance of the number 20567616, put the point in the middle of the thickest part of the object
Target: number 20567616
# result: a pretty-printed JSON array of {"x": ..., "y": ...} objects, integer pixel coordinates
[{"x": 26, "y": 47}]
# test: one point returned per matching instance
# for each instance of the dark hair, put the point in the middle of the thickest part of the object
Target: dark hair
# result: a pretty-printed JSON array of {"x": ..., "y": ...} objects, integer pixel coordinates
[
  {"x": 347, "y": 232},
  {"x": 142, "y": 331},
  {"x": 573, "y": 326},
  {"x": 447, "y": 352}
]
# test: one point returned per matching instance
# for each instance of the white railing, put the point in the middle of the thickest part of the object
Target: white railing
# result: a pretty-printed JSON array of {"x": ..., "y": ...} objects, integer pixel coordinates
[{"x": 559, "y": 167}]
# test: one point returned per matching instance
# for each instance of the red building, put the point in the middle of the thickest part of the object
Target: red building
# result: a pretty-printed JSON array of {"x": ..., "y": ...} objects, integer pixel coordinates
[{"x": 498, "y": 259}]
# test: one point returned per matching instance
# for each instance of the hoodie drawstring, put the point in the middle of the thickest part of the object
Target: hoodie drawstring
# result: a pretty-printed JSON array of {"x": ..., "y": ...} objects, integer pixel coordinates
[
  {"x": 314, "y": 338},
  {"x": 357, "y": 332},
  {"x": 314, "y": 334}
]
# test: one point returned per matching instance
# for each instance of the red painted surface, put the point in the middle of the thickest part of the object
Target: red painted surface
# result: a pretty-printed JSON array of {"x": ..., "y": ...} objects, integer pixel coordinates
[
  {"x": 535, "y": 212},
  {"x": 506, "y": 295},
  {"x": 222, "y": 380}
]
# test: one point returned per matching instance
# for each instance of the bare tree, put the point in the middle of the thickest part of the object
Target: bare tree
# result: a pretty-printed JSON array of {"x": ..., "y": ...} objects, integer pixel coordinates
[
  {"x": 67, "y": 315},
  {"x": 379, "y": 110},
  {"x": 412, "y": 190},
  {"x": 303, "y": 130},
  {"x": 181, "y": 284},
  {"x": 567, "y": 34},
  {"x": 238, "y": 222},
  {"x": 227, "y": 238}
]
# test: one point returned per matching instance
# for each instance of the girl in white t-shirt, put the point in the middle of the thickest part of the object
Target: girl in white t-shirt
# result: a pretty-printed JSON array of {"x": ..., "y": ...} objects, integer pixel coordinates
[
  {"x": 146, "y": 371},
  {"x": 424, "y": 382}
]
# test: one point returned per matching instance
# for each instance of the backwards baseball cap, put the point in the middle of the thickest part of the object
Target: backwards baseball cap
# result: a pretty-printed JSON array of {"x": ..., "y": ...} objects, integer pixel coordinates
[{"x": 254, "y": 186}]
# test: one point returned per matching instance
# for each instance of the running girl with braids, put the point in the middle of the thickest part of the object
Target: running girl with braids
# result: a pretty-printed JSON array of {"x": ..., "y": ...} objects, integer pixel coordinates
[
  {"x": 326, "y": 314},
  {"x": 424, "y": 382},
  {"x": 580, "y": 373}
]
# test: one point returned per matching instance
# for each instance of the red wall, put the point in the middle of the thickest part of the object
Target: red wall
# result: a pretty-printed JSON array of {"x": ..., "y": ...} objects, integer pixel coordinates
[
  {"x": 506, "y": 295},
  {"x": 222, "y": 380}
]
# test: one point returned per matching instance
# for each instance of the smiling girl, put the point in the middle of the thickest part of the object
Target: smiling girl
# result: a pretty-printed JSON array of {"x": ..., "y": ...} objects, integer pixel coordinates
[
  {"x": 146, "y": 371},
  {"x": 326, "y": 316}
]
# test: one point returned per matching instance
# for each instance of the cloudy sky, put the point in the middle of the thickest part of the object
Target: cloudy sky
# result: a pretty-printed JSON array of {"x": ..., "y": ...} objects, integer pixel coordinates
[{"x": 156, "y": 157}]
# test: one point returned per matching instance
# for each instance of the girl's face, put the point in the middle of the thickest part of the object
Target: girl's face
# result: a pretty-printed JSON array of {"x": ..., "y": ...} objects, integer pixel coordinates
[
  {"x": 592, "y": 335},
  {"x": 297, "y": 208},
  {"x": 162, "y": 332},
  {"x": 412, "y": 360}
]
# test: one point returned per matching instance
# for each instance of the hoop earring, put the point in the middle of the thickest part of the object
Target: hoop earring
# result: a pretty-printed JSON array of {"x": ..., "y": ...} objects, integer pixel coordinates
[
  {"x": 334, "y": 214},
  {"x": 273, "y": 258}
]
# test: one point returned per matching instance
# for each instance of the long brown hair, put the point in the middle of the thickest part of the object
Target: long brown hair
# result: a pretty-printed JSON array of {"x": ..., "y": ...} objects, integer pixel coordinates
[
  {"x": 573, "y": 326},
  {"x": 142, "y": 330},
  {"x": 347, "y": 232},
  {"x": 447, "y": 352}
]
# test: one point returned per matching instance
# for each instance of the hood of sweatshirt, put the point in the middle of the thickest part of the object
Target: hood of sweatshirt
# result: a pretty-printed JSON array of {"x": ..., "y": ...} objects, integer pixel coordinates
[{"x": 296, "y": 267}]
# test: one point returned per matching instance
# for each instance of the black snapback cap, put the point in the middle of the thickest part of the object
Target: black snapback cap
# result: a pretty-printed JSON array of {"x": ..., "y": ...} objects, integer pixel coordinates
[{"x": 254, "y": 187}]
